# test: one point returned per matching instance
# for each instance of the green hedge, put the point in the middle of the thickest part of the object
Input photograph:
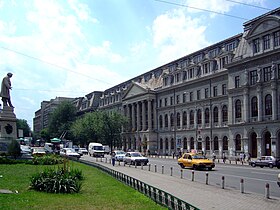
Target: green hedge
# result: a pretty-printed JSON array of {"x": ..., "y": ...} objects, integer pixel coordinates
[{"x": 47, "y": 160}]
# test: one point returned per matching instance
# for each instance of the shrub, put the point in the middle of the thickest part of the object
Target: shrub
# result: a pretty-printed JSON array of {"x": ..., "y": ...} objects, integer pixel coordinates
[
  {"x": 5, "y": 160},
  {"x": 57, "y": 181},
  {"x": 47, "y": 160}
]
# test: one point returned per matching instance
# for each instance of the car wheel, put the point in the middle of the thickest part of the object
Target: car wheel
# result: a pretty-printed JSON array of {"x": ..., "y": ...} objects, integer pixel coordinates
[
  {"x": 182, "y": 165},
  {"x": 194, "y": 167},
  {"x": 270, "y": 165},
  {"x": 261, "y": 166},
  {"x": 253, "y": 164}
]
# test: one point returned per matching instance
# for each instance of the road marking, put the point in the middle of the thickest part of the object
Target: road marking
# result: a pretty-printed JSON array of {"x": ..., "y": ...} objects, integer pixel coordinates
[{"x": 262, "y": 173}]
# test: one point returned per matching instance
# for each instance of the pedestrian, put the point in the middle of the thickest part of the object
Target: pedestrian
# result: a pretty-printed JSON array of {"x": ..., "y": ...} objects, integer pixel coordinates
[
  {"x": 249, "y": 157},
  {"x": 214, "y": 156},
  {"x": 224, "y": 158},
  {"x": 113, "y": 155}
]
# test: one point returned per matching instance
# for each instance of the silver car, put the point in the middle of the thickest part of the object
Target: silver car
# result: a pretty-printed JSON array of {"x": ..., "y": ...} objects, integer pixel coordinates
[
  {"x": 119, "y": 155},
  {"x": 135, "y": 158},
  {"x": 265, "y": 161}
]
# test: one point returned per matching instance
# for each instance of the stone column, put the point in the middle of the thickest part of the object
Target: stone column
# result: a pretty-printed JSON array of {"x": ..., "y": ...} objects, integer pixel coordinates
[
  {"x": 220, "y": 147},
  {"x": 133, "y": 117},
  {"x": 149, "y": 115},
  {"x": 230, "y": 111},
  {"x": 260, "y": 109},
  {"x": 220, "y": 116},
  {"x": 155, "y": 114},
  {"x": 169, "y": 121},
  {"x": 274, "y": 101},
  {"x": 181, "y": 120},
  {"x": 261, "y": 148},
  {"x": 188, "y": 119},
  {"x": 203, "y": 118},
  {"x": 246, "y": 105},
  {"x": 189, "y": 145},
  {"x": 143, "y": 116},
  {"x": 138, "y": 117}
]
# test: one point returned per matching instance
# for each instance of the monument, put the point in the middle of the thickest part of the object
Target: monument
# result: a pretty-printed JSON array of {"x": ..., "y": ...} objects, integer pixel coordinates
[{"x": 8, "y": 128}]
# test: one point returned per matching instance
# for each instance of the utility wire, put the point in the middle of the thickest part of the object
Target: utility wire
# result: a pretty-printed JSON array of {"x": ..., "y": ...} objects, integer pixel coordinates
[
  {"x": 52, "y": 64},
  {"x": 250, "y": 5}
]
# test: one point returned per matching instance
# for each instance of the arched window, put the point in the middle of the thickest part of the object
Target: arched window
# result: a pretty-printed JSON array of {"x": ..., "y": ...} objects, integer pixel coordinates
[
  {"x": 171, "y": 119},
  {"x": 166, "y": 120},
  {"x": 191, "y": 117},
  {"x": 207, "y": 143},
  {"x": 160, "y": 121},
  {"x": 185, "y": 143},
  {"x": 207, "y": 115},
  {"x": 199, "y": 116},
  {"x": 178, "y": 119},
  {"x": 238, "y": 109},
  {"x": 254, "y": 106},
  {"x": 225, "y": 143},
  {"x": 238, "y": 142},
  {"x": 216, "y": 114},
  {"x": 268, "y": 105},
  {"x": 216, "y": 143},
  {"x": 172, "y": 144},
  {"x": 161, "y": 144},
  {"x": 166, "y": 144},
  {"x": 184, "y": 118},
  {"x": 192, "y": 143},
  {"x": 225, "y": 113}
]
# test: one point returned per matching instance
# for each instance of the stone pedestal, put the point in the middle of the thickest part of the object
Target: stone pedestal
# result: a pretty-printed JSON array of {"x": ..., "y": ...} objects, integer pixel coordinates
[{"x": 8, "y": 127}]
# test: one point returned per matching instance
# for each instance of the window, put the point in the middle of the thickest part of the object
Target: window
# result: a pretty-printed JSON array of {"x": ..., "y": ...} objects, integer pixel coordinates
[
  {"x": 161, "y": 144},
  {"x": 207, "y": 115},
  {"x": 165, "y": 81},
  {"x": 184, "y": 118},
  {"x": 166, "y": 144},
  {"x": 172, "y": 143},
  {"x": 216, "y": 143},
  {"x": 191, "y": 117},
  {"x": 215, "y": 91},
  {"x": 178, "y": 77},
  {"x": 266, "y": 42},
  {"x": 238, "y": 109},
  {"x": 184, "y": 97},
  {"x": 178, "y": 99},
  {"x": 223, "y": 62},
  {"x": 192, "y": 143},
  {"x": 207, "y": 143},
  {"x": 237, "y": 82},
  {"x": 206, "y": 68},
  {"x": 160, "y": 121},
  {"x": 165, "y": 101},
  {"x": 191, "y": 96},
  {"x": 254, "y": 106},
  {"x": 267, "y": 74},
  {"x": 190, "y": 73},
  {"x": 276, "y": 36},
  {"x": 166, "y": 120},
  {"x": 224, "y": 113},
  {"x": 253, "y": 77},
  {"x": 225, "y": 143},
  {"x": 171, "y": 119},
  {"x": 238, "y": 142},
  {"x": 268, "y": 105},
  {"x": 184, "y": 75},
  {"x": 160, "y": 102},
  {"x": 185, "y": 143},
  {"x": 171, "y": 100},
  {"x": 216, "y": 114},
  {"x": 224, "y": 89},
  {"x": 256, "y": 45},
  {"x": 198, "y": 95},
  {"x": 178, "y": 120},
  {"x": 199, "y": 117},
  {"x": 206, "y": 92}
]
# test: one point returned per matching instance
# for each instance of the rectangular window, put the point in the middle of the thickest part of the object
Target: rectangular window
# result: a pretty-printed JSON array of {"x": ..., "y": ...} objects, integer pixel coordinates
[
  {"x": 205, "y": 68},
  {"x": 184, "y": 97},
  {"x": 206, "y": 92},
  {"x": 191, "y": 96},
  {"x": 160, "y": 102},
  {"x": 266, "y": 42},
  {"x": 171, "y": 100},
  {"x": 165, "y": 101},
  {"x": 198, "y": 95},
  {"x": 178, "y": 76},
  {"x": 276, "y": 36},
  {"x": 237, "y": 82},
  {"x": 253, "y": 77},
  {"x": 223, "y": 62},
  {"x": 267, "y": 74},
  {"x": 256, "y": 45},
  {"x": 224, "y": 89},
  {"x": 165, "y": 81},
  {"x": 190, "y": 73},
  {"x": 178, "y": 99},
  {"x": 215, "y": 91}
]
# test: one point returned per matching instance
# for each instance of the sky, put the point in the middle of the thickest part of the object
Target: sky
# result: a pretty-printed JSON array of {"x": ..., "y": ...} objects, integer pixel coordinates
[{"x": 69, "y": 48}]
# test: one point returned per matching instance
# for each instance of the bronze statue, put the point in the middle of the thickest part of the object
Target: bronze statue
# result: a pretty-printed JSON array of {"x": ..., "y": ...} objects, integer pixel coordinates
[{"x": 5, "y": 90}]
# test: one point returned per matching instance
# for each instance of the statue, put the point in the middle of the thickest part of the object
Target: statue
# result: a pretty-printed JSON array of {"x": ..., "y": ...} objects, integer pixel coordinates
[
  {"x": 5, "y": 90},
  {"x": 273, "y": 71}
]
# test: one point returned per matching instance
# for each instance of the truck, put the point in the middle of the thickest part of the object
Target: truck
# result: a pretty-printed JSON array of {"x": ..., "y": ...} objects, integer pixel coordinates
[{"x": 95, "y": 149}]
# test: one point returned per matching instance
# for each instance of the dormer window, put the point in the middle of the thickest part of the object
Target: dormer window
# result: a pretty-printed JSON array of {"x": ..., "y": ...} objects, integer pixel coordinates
[
  {"x": 276, "y": 38},
  {"x": 165, "y": 81},
  {"x": 266, "y": 42},
  {"x": 256, "y": 45}
]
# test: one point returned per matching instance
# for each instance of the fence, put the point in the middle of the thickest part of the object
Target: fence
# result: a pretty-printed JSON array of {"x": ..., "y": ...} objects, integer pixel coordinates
[{"x": 159, "y": 196}]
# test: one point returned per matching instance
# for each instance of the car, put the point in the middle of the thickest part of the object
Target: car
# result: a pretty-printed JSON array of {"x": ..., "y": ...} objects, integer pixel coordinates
[
  {"x": 265, "y": 161},
  {"x": 69, "y": 152},
  {"x": 38, "y": 151},
  {"x": 119, "y": 155},
  {"x": 25, "y": 149},
  {"x": 83, "y": 151},
  {"x": 135, "y": 158},
  {"x": 195, "y": 161}
]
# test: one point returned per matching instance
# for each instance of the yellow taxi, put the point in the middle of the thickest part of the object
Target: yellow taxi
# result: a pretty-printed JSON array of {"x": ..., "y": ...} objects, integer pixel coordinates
[{"x": 195, "y": 161}]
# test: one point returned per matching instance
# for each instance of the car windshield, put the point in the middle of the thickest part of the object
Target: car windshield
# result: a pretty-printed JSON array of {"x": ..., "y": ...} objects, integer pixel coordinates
[
  {"x": 70, "y": 150},
  {"x": 199, "y": 157},
  {"x": 120, "y": 153},
  {"x": 97, "y": 147},
  {"x": 136, "y": 154}
]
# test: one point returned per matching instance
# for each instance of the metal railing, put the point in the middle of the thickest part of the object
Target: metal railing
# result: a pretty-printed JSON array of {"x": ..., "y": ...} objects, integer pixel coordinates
[{"x": 159, "y": 196}]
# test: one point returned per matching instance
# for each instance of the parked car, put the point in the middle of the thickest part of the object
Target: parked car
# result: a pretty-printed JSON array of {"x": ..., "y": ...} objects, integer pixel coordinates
[
  {"x": 38, "y": 151},
  {"x": 69, "y": 152},
  {"x": 135, "y": 158},
  {"x": 195, "y": 161},
  {"x": 119, "y": 155},
  {"x": 83, "y": 151},
  {"x": 265, "y": 161}
]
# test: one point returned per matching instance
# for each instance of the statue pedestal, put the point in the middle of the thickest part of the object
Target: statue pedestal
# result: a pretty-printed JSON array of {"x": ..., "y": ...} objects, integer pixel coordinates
[{"x": 8, "y": 127}]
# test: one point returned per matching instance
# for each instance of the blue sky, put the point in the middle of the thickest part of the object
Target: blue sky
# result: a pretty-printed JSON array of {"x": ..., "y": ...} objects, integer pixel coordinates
[{"x": 71, "y": 48}]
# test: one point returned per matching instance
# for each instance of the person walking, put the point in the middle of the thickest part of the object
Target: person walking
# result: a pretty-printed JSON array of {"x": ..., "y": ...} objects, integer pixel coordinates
[{"x": 113, "y": 158}]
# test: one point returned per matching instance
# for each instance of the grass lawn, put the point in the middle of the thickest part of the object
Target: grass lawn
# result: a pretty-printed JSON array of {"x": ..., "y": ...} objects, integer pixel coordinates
[{"x": 99, "y": 191}]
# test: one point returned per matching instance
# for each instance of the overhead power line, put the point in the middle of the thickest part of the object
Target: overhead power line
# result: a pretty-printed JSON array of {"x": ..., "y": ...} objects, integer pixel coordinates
[
  {"x": 52, "y": 64},
  {"x": 250, "y": 5}
]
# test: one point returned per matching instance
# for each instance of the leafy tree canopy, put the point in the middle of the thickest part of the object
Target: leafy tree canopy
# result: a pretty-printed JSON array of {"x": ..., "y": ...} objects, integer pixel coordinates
[{"x": 22, "y": 124}]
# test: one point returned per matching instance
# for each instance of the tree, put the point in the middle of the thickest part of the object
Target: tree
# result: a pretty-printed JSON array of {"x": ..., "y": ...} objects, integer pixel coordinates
[
  {"x": 14, "y": 149},
  {"x": 61, "y": 119},
  {"x": 22, "y": 124}
]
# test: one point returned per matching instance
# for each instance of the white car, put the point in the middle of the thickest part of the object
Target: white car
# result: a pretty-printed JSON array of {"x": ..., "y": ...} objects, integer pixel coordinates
[
  {"x": 83, "y": 151},
  {"x": 25, "y": 149},
  {"x": 69, "y": 152},
  {"x": 133, "y": 158},
  {"x": 119, "y": 155}
]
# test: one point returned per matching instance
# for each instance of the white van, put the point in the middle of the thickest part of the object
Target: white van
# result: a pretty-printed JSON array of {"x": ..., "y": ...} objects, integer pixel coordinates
[
  {"x": 95, "y": 149},
  {"x": 48, "y": 147}
]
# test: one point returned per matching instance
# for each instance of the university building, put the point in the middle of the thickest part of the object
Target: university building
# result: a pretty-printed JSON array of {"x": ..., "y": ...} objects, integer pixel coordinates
[{"x": 223, "y": 99}]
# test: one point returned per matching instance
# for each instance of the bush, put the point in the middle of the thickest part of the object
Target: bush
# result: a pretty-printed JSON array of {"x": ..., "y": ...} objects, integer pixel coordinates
[
  {"x": 57, "y": 181},
  {"x": 5, "y": 160},
  {"x": 47, "y": 160},
  {"x": 14, "y": 149}
]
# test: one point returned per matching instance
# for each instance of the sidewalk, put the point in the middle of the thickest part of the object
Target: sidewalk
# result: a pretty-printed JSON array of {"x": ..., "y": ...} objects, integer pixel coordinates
[{"x": 199, "y": 195}]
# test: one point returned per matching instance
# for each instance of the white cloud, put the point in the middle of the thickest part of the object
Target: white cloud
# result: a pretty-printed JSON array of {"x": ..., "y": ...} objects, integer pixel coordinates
[
  {"x": 176, "y": 35},
  {"x": 82, "y": 11}
]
